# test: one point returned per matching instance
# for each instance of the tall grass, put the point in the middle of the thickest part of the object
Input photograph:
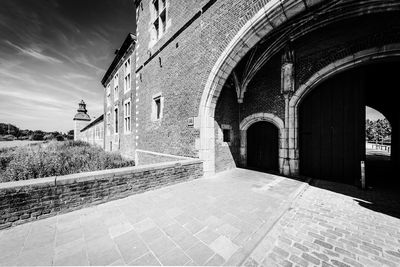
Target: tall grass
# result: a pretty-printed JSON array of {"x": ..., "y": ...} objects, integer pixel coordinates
[{"x": 56, "y": 158}]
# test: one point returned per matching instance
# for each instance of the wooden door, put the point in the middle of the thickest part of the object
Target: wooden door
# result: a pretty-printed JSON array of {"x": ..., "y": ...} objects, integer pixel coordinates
[
  {"x": 331, "y": 129},
  {"x": 263, "y": 147}
]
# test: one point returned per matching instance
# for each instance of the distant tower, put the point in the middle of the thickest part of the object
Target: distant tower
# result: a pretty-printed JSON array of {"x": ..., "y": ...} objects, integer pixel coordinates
[{"x": 81, "y": 119}]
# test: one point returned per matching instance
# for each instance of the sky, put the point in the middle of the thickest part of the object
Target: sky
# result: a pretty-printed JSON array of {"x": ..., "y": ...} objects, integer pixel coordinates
[
  {"x": 373, "y": 114},
  {"x": 53, "y": 53}
]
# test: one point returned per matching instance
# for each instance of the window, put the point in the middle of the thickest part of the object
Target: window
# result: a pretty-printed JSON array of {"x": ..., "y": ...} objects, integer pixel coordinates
[
  {"x": 108, "y": 94},
  {"x": 127, "y": 116},
  {"x": 116, "y": 91},
  {"x": 157, "y": 107},
  {"x": 127, "y": 75},
  {"x": 108, "y": 121},
  {"x": 96, "y": 133},
  {"x": 101, "y": 132},
  {"x": 159, "y": 16},
  {"x": 116, "y": 120},
  {"x": 226, "y": 135}
]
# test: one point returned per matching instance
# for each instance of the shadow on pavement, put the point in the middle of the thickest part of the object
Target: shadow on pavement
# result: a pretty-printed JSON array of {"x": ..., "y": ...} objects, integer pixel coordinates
[{"x": 380, "y": 199}]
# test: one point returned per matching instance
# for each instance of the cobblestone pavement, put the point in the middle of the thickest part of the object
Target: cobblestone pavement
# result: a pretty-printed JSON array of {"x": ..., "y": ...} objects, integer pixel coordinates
[
  {"x": 213, "y": 221},
  {"x": 334, "y": 225}
]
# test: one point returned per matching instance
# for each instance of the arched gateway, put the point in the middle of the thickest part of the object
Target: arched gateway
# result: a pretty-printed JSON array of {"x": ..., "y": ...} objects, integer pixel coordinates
[{"x": 276, "y": 60}]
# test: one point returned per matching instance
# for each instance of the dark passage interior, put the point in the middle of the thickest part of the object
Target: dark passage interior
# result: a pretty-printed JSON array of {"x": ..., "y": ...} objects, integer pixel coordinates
[
  {"x": 332, "y": 125},
  {"x": 263, "y": 147}
]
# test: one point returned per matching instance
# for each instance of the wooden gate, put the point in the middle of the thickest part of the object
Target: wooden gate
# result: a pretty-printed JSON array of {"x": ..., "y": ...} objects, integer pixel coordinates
[
  {"x": 263, "y": 147},
  {"x": 332, "y": 129}
]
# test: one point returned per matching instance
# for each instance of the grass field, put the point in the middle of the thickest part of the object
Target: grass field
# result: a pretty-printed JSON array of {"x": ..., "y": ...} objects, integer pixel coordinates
[
  {"x": 18, "y": 143},
  {"x": 54, "y": 159}
]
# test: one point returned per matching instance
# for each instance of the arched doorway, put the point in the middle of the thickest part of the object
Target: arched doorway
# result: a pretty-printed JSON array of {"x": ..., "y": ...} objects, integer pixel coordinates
[
  {"x": 331, "y": 129},
  {"x": 263, "y": 147},
  {"x": 331, "y": 124}
]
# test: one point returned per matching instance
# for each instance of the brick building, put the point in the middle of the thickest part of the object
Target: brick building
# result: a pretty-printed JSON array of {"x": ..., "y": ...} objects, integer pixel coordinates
[
  {"x": 274, "y": 85},
  {"x": 119, "y": 101}
]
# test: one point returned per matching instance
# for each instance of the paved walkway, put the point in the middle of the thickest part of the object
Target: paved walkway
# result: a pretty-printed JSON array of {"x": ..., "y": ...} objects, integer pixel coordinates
[
  {"x": 335, "y": 225},
  {"x": 214, "y": 221}
]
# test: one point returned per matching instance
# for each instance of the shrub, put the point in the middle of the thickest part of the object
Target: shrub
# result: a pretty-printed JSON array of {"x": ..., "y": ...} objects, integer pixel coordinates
[
  {"x": 54, "y": 159},
  {"x": 48, "y": 137},
  {"x": 37, "y": 137},
  {"x": 7, "y": 137},
  {"x": 59, "y": 138}
]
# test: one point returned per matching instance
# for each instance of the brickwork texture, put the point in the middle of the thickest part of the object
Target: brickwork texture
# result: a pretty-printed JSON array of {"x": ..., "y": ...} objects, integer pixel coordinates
[{"x": 25, "y": 201}]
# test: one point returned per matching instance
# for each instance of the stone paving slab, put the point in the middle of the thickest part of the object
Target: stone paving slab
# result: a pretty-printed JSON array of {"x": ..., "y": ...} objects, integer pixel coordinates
[
  {"x": 334, "y": 225},
  {"x": 210, "y": 221}
]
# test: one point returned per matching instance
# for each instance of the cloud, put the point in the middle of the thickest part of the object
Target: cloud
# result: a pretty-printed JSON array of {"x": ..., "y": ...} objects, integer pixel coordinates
[
  {"x": 35, "y": 53},
  {"x": 73, "y": 76},
  {"x": 37, "y": 98},
  {"x": 83, "y": 60}
]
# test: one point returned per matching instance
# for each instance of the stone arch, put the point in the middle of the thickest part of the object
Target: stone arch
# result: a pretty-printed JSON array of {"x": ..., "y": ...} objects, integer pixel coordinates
[
  {"x": 250, "y": 120},
  {"x": 349, "y": 62},
  {"x": 269, "y": 17},
  {"x": 272, "y": 118},
  {"x": 273, "y": 14}
]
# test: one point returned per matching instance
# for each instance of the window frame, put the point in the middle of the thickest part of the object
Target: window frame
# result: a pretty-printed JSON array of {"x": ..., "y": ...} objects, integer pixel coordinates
[
  {"x": 159, "y": 17},
  {"x": 108, "y": 94},
  {"x": 127, "y": 75},
  {"x": 226, "y": 128},
  {"x": 116, "y": 120},
  {"x": 108, "y": 122},
  {"x": 226, "y": 135},
  {"x": 127, "y": 116},
  {"x": 157, "y": 111},
  {"x": 116, "y": 87}
]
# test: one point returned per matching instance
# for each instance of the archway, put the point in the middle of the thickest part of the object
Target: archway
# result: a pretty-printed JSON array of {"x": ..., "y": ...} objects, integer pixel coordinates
[
  {"x": 331, "y": 129},
  {"x": 272, "y": 132},
  {"x": 271, "y": 17},
  {"x": 331, "y": 122},
  {"x": 263, "y": 147}
]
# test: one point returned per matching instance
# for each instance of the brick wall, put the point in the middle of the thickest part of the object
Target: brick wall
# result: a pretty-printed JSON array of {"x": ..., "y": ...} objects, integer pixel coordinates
[
  {"x": 186, "y": 63},
  {"x": 327, "y": 45},
  {"x": 264, "y": 91},
  {"x": 179, "y": 64},
  {"x": 24, "y": 201}
]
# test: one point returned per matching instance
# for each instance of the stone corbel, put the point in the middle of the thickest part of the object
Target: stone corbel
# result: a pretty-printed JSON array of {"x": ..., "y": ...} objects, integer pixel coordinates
[{"x": 238, "y": 87}]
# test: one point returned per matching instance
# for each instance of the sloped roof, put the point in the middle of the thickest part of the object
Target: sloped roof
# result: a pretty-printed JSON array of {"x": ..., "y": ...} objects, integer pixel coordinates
[
  {"x": 129, "y": 40},
  {"x": 80, "y": 116},
  {"x": 97, "y": 120}
]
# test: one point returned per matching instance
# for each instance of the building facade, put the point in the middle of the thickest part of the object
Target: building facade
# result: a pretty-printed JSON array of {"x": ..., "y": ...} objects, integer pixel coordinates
[
  {"x": 275, "y": 85},
  {"x": 119, "y": 101}
]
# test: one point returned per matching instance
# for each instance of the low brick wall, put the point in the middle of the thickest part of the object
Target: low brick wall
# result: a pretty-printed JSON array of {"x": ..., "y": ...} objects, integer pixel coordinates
[
  {"x": 144, "y": 157},
  {"x": 24, "y": 201}
]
